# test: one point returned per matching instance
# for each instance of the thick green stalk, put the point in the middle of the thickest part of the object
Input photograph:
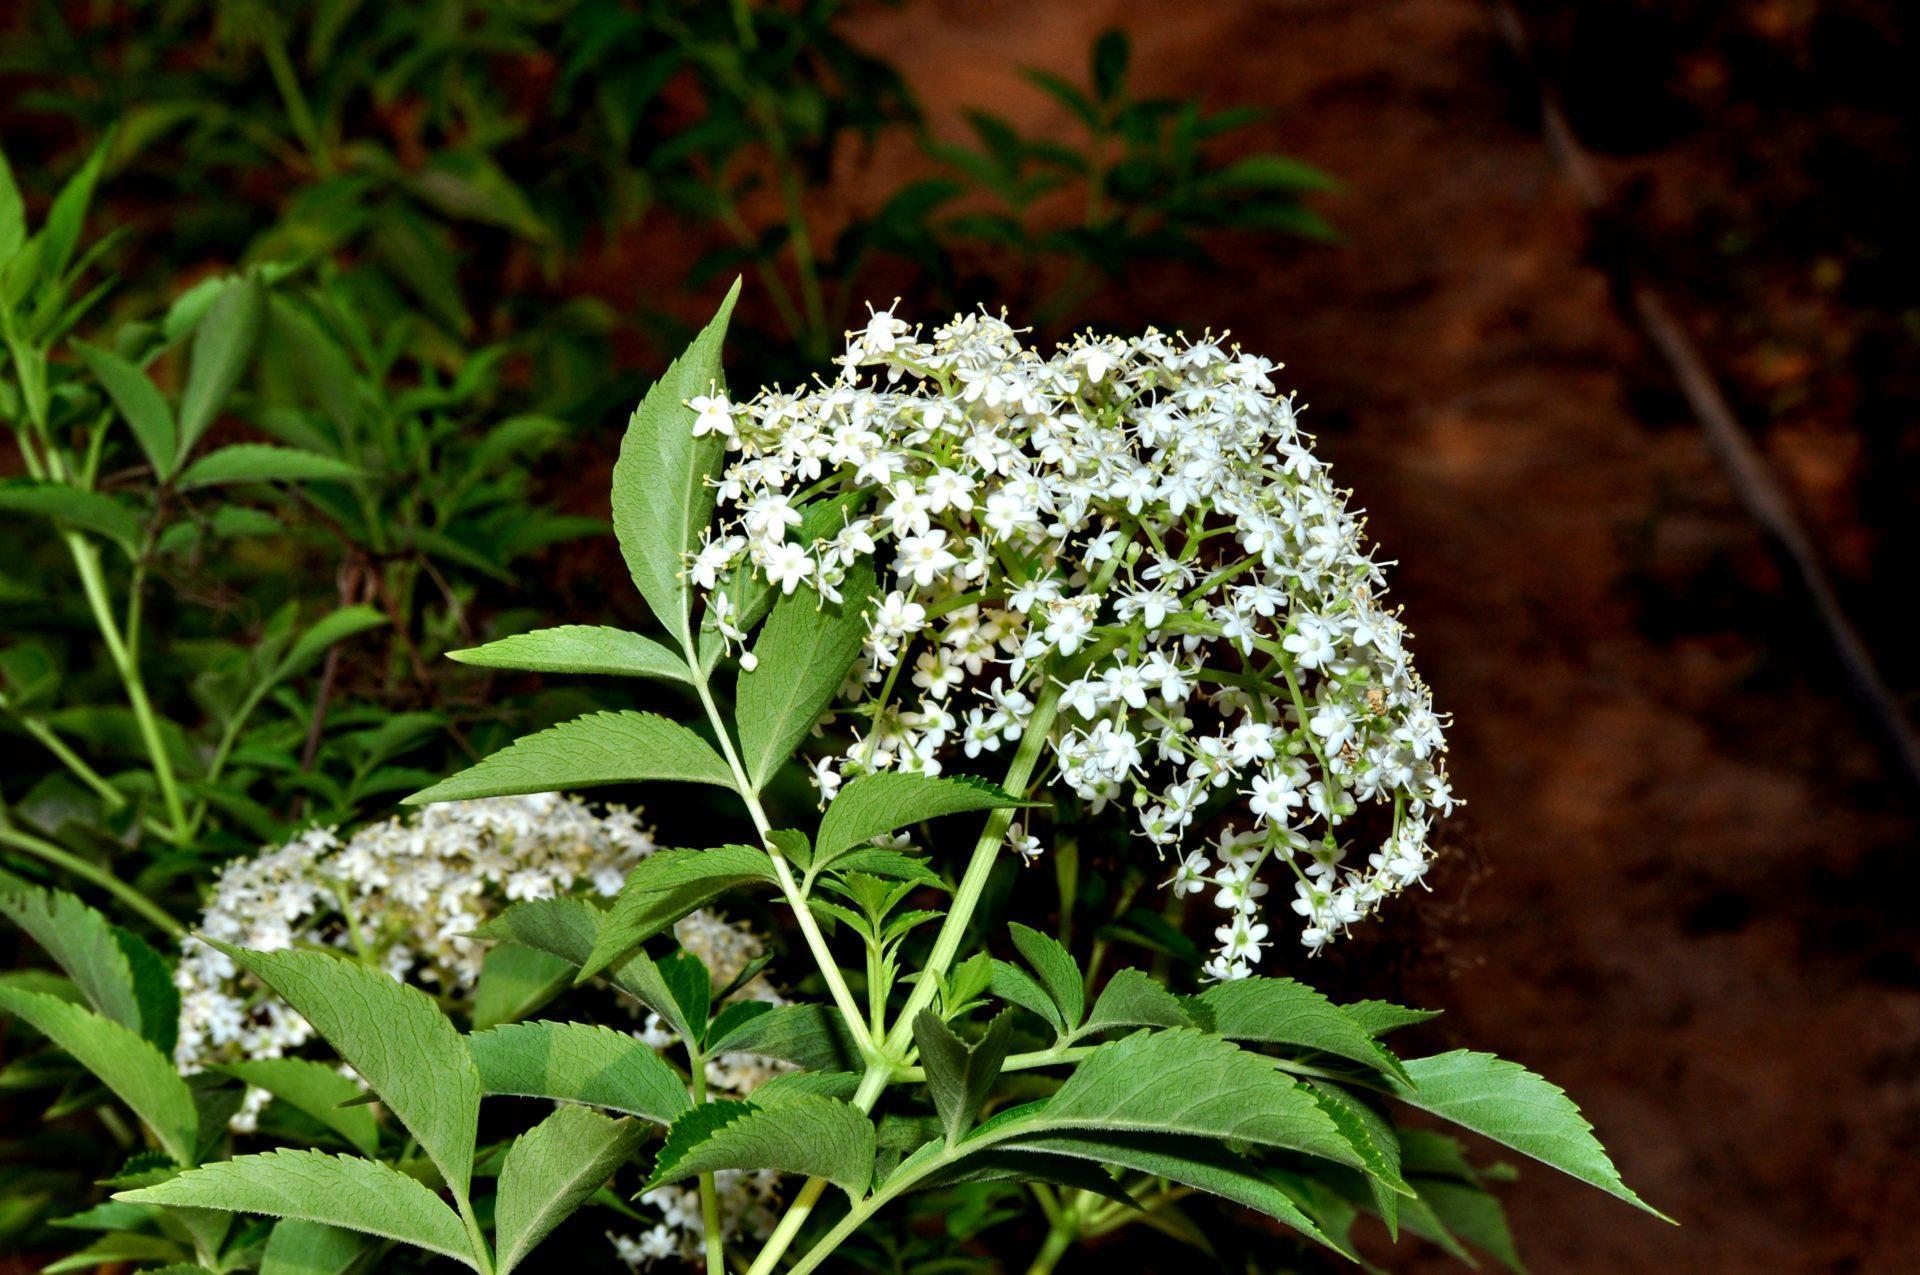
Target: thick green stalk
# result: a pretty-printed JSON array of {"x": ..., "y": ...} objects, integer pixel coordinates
[
  {"x": 880, "y": 1072},
  {"x": 946, "y": 944}
]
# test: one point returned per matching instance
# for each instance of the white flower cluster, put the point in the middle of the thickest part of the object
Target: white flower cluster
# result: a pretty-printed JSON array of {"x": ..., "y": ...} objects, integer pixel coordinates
[
  {"x": 1138, "y": 526},
  {"x": 404, "y": 893}
]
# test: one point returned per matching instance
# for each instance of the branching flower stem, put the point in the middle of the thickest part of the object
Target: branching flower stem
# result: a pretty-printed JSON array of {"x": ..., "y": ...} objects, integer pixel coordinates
[{"x": 783, "y": 873}]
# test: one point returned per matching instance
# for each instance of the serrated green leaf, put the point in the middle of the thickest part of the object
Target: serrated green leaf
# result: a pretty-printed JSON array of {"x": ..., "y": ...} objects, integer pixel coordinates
[
  {"x": 223, "y": 345},
  {"x": 265, "y": 463},
  {"x": 812, "y": 1036},
  {"x": 664, "y": 887},
  {"x": 1057, "y": 971},
  {"x": 317, "y": 1090},
  {"x": 801, "y": 658},
  {"x": 1280, "y": 1011},
  {"x": 154, "y": 989},
  {"x": 822, "y": 1084},
  {"x": 72, "y": 507},
  {"x": 579, "y": 1063},
  {"x": 1377, "y": 1018},
  {"x": 960, "y": 1077},
  {"x": 661, "y": 498},
  {"x": 516, "y": 981},
  {"x": 308, "y": 1248},
  {"x": 552, "y": 1170},
  {"x": 82, "y": 942},
  {"x": 1505, "y": 1102},
  {"x": 1191, "y": 1162},
  {"x": 1373, "y": 1136},
  {"x": 891, "y": 864},
  {"x": 332, "y": 1190},
  {"x": 874, "y": 805},
  {"x": 137, "y": 1073},
  {"x": 1475, "y": 1215},
  {"x": 112, "y": 1250},
  {"x": 600, "y": 748},
  {"x": 395, "y": 1037},
  {"x": 139, "y": 402},
  {"x": 567, "y": 928},
  {"x": 1017, "y": 987},
  {"x": 803, "y": 1134},
  {"x": 1132, "y": 998},
  {"x": 1186, "y": 1082},
  {"x": 580, "y": 648}
]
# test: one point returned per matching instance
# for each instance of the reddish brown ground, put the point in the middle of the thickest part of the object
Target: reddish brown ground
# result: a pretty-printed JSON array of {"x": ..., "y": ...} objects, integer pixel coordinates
[{"x": 1695, "y": 908}]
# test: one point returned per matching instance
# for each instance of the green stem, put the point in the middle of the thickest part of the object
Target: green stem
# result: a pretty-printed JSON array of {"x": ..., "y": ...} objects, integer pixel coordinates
[
  {"x": 115, "y": 799},
  {"x": 880, "y": 1071},
  {"x": 1058, "y": 1241},
  {"x": 1015, "y": 1062},
  {"x": 299, "y": 114},
  {"x": 709, "y": 1198},
  {"x": 796, "y": 899},
  {"x": 483, "y": 1258},
  {"x": 93, "y": 584},
  {"x": 47, "y": 852}
]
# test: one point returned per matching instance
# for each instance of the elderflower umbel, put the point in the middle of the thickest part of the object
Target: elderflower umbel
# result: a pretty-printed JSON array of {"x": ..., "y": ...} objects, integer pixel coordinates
[
  {"x": 405, "y": 893},
  {"x": 1138, "y": 526}
]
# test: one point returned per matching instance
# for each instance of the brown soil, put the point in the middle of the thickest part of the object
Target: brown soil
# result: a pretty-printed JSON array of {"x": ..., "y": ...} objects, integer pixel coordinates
[{"x": 1693, "y": 911}]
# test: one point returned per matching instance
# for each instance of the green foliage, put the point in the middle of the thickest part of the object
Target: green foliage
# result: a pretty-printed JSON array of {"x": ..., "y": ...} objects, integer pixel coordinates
[
  {"x": 665, "y": 887},
  {"x": 317, "y": 1090},
  {"x": 309, "y": 1248},
  {"x": 331, "y": 1190},
  {"x": 578, "y": 1063},
  {"x": 875, "y": 805},
  {"x": 552, "y": 1170},
  {"x": 802, "y": 657},
  {"x": 1262, "y": 1094},
  {"x": 1279, "y": 1011},
  {"x": 580, "y": 648},
  {"x": 137, "y": 1073},
  {"x": 960, "y": 1076},
  {"x": 604, "y": 748},
  {"x": 395, "y": 1037},
  {"x": 802, "y": 1133},
  {"x": 661, "y": 497},
  {"x": 1509, "y": 1104}
]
